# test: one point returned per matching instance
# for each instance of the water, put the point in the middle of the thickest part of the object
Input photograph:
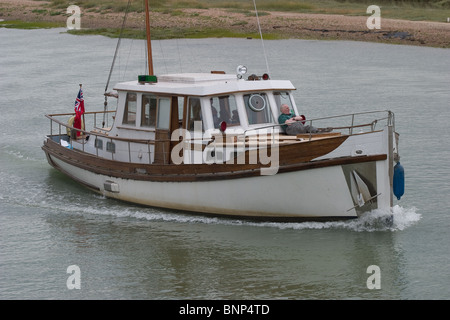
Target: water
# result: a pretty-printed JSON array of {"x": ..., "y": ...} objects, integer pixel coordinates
[{"x": 48, "y": 222}]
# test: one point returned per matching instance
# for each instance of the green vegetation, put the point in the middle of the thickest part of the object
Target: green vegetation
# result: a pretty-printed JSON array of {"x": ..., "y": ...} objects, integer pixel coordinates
[
  {"x": 414, "y": 10},
  {"x": 17, "y": 24},
  {"x": 269, "y": 5},
  {"x": 174, "y": 33},
  {"x": 431, "y": 10}
]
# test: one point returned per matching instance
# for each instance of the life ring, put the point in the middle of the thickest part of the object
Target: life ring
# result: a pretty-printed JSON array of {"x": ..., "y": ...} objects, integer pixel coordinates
[{"x": 70, "y": 124}]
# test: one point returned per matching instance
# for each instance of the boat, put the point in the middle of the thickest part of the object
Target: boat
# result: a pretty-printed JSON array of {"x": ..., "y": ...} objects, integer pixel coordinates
[{"x": 210, "y": 144}]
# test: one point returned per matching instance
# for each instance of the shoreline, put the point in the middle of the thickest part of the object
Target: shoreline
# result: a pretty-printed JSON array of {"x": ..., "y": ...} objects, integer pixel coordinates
[{"x": 210, "y": 22}]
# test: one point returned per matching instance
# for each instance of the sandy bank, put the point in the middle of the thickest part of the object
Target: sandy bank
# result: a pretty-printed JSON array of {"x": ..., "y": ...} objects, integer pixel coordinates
[{"x": 290, "y": 25}]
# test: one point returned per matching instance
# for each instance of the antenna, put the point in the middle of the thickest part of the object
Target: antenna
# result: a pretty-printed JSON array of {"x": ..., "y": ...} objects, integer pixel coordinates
[
  {"x": 118, "y": 45},
  {"x": 113, "y": 62},
  {"x": 262, "y": 40}
]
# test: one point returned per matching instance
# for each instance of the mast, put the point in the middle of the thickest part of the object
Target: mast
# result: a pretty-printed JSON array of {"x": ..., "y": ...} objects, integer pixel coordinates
[{"x": 149, "y": 43}]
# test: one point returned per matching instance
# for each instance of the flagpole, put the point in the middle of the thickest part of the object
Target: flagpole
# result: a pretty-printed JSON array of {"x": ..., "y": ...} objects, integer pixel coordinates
[{"x": 83, "y": 123}]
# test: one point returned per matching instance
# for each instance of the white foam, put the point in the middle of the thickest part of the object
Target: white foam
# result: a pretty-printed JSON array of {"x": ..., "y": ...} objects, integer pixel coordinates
[{"x": 376, "y": 220}]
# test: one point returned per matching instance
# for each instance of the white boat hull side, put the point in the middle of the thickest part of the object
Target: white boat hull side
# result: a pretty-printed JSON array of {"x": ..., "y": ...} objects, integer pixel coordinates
[
  {"x": 314, "y": 193},
  {"x": 385, "y": 171}
]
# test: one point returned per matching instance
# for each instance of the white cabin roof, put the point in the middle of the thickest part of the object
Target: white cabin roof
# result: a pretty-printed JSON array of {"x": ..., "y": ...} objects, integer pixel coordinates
[{"x": 203, "y": 84}]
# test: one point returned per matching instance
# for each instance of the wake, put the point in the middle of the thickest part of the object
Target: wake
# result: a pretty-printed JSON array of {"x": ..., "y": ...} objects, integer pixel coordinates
[{"x": 396, "y": 219}]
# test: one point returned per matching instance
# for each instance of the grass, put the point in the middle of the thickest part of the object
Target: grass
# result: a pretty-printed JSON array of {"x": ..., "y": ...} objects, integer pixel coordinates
[
  {"x": 17, "y": 24},
  {"x": 430, "y": 10},
  {"x": 174, "y": 33}
]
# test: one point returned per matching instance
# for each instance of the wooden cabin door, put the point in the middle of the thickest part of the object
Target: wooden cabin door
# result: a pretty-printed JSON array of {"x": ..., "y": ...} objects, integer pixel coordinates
[
  {"x": 162, "y": 134},
  {"x": 167, "y": 121}
]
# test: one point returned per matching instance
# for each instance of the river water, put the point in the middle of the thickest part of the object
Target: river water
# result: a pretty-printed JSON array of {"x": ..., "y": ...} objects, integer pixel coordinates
[{"x": 49, "y": 223}]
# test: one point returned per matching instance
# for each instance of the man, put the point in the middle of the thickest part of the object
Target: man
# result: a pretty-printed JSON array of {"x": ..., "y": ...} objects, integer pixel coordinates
[{"x": 293, "y": 125}]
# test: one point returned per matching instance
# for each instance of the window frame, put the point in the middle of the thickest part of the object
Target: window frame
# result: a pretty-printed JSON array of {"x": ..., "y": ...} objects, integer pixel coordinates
[
  {"x": 126, "y": 112},
  {"x": 149, "y": 122}
]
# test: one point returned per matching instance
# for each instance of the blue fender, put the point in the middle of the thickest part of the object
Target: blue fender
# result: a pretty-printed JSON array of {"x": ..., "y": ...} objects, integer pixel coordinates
[{"x": 399, "y": 180}]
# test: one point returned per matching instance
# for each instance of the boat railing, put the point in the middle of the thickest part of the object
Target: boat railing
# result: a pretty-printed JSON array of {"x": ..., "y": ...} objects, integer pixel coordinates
[
  {"x": 63, "y": 127},
  {"x": 108, "y": 117},
  {"x": 347, "y": 124},
  {"x": 66, "y": 131}
]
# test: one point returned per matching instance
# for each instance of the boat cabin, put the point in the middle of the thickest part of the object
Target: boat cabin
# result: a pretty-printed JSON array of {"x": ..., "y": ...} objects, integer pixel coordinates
[{"x": 197, "y": 106}]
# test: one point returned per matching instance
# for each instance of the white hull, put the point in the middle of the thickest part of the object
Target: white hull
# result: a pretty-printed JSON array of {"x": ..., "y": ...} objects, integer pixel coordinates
[{"x": 314, "y": 193}]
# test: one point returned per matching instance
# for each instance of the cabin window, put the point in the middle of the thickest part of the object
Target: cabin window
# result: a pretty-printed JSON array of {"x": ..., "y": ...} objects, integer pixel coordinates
[
  {"x": 111, "y": 147},
  {"x": 164, "y": 113},
  {"x": 180, "y": 109},
  {"x": 224, "y": 108},
  {"x": 257, "y": 108},
  {"x": 180, "y": 104},
  {"x": 283, "y": 98},
  {"x": 129, "y": 116},
  {"x": 194, "y": 113},
  {"x": 99, "y": 143},
  {"x": 149, "y": 103}
]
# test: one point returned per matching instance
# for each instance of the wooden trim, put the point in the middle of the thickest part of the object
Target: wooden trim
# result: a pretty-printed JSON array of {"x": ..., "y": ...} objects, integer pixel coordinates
[
  {"x": 174, "y": 124},
  {"x": 194, "y": 172},
  {"x": 185, "y": 112},
  {"x": 162, "y": 147},
  {"x": 332, "y": 162},
  {"x": 174, "y": 114}
]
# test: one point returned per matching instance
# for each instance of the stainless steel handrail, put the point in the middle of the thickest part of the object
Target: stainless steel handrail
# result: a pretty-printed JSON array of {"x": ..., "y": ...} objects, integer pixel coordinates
[{"x": 390, "y": 121}]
